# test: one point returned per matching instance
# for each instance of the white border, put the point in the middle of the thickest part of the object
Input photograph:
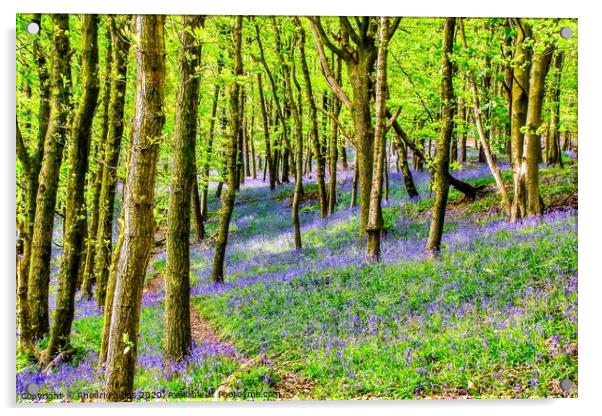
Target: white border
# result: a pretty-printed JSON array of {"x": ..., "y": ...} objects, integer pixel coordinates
[{"x": 590, "y": 152}]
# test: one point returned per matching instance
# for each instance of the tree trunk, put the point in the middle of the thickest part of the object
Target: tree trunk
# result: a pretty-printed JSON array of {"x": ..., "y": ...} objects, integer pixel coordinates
[
  {"x": 539, "y": 69},
  {"x": 295, "y": 111},
  {"x": 39, "y": 269},
  {"x": 408, "y": 180},
  {"x": 280, "y": 111},
  {"x": 177, "y": 338},
  {"x": 106, "y": 202},
  {"x": 139, "y": 222},
  {"x": 196, "y": 205},
  {"x": 318, "y": 152},
  {"x": 375, "y": 217},
  {"x": 209, "y": 151},
  {"x": 32, "y": 164},
  {"x": 333, "y": 146},
  {"x": 354, "y": 186},
  {"x": 79, "y": 150},
  {"x": 553, "y": 142},
  {"x": 234, "y": 117},
  {"x": 96, "y": 181},
  {"x": 441, "y": 165},
  {"x": 520, "y": 101},
  {"x": 507, "y": 204},
  {"x": 108, "y": 306},
  {"x": 266, "y": 133}
]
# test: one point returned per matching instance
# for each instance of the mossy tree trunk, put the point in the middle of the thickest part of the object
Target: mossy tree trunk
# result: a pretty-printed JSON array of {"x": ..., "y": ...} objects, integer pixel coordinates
[
  {"x": 441, "y": 163},
  {"x": 177, "y": 338},
  {"x": 32, "y": 163},
  {"x": 234, "y": 130},
  {"x": 375, "y": 217},
  {"x": 106, "y": 202},
  {"x": 139, "y": 222},
  {"x": 539, "y": 70},
  {"x": 54, "y": 143},
  {"x": 75, "y": 214},
  {"x": 96, "y": 179}
]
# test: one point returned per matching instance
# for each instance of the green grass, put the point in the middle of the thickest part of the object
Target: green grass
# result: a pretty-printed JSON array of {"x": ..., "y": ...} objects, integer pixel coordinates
[{"x": 488, "y": 351}]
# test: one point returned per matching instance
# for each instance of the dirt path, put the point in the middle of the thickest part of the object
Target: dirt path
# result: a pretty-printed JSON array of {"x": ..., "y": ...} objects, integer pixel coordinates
[{"x": 288, "y": 385}]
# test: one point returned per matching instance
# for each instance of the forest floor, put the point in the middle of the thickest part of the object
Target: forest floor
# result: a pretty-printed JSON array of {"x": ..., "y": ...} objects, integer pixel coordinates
[{"x": 494, "y": 316}]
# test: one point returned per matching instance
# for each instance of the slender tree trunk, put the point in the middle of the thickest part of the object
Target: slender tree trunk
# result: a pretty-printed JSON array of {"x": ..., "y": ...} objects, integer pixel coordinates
[
  {"x": 96, "y": 181},
  {"x": 79, "y": 149},
  {"x": 441, "y": 182},
  {"x": 295, "y": 111},
  {"x": 266, "y": 132},
  {"x": 553, "y": 147},
  {"x": 354, "y": 186},
  {"x": 208, "y": 152},
  {"x": 333, "y": 146},
  {"x": 106, "y": 202},
  {"x": 240, "y": 169},
  {"x": 177, "y": 339},
  {"x": 138, "y": 202},
  {"x": 280, "y": 110},
  {"x": 507, "y": 204},
  {"x": 39, "y": 269},
  {"x": 234, "y": 117},
  {"x": 408, "y": 180},
  {"x": 313, "y": 113},
  {"x": 196, "y": 205}
]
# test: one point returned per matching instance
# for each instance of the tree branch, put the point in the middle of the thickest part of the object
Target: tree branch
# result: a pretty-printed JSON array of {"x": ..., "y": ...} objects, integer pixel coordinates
[
  {"x": 316, "y": 25},
  {"x": 394, "y": 26},
  {"x": 330, "y": 79},
  {"x": 346, "y": 25},
  {"x": 338, "y": 123}
]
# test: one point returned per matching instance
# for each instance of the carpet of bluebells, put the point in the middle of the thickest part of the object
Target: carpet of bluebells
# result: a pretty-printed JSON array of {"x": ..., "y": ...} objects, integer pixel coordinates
[{"x": 494, "y": 316}]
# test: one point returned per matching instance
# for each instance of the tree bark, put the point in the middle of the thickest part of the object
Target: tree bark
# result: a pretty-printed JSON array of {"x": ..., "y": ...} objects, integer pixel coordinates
[
  {"x": 539, "y": 69},
  {"x": 139, "y": 222},
  {"x": 32, "y": 163},
  {"x": 441, "y": 165},
  {"x": 106, "y": 202},
  {"x": 375, "y": 217},
  {"x": 96, "y": 181},
  {"x": 520, "y": 101},
  {"x": 229, "y": 196},
  {"x": 177, "y": 338},
  {"x": 75, "y": 215},
  {"x": 56, "y": 135}
]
